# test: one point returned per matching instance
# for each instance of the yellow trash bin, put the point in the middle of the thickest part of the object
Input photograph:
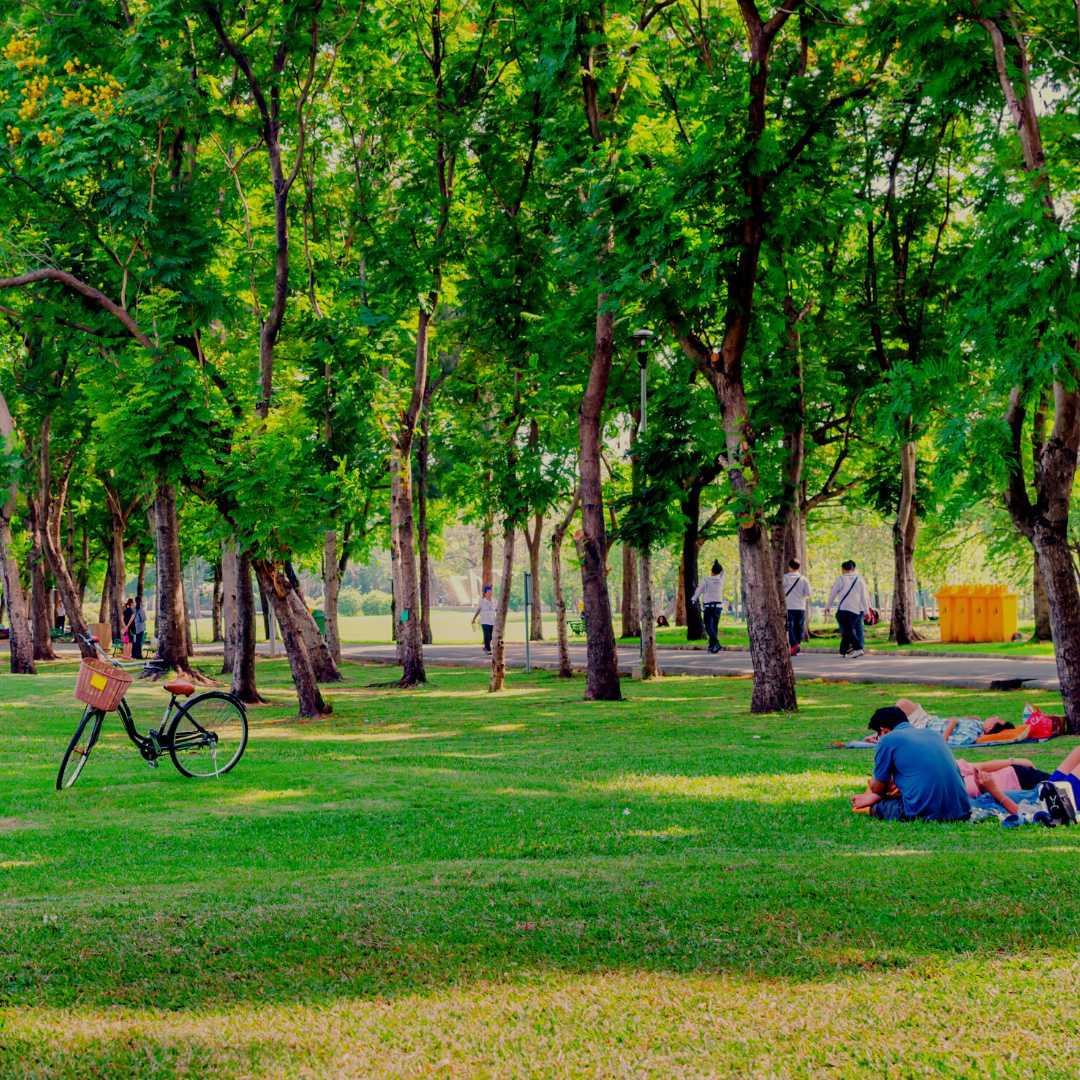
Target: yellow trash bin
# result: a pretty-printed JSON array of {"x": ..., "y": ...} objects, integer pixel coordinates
[
  {"x": 961, "y": 614},
  {"x": 977, "y": 613},
  {"x": 979, "y": 601},
  {"x": 945, "y": 599},
  {"x": 1010, "y": 621}
]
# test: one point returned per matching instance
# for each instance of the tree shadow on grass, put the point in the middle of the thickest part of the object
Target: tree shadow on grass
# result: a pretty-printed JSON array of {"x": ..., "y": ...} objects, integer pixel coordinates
[{"x": 382, "y": 932}]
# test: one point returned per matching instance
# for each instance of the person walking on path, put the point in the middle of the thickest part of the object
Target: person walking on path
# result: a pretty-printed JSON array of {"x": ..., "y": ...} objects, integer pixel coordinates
[
  {"x": 796, "y": 597},
  {"x": 711, "y": 594},
  {"x": 59, "y": 615},
  {"x": 486, "y": 614},
  {"x": 138, "y": 629},
  {"x": 852, "y": 599},
  {"x": 127, "y": 623}
]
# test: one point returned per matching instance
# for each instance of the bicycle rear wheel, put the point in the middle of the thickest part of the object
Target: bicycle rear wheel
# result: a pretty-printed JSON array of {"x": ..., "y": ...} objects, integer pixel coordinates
[
  {"x": 78, "y": 750},
  {"x": 208, "y": 735}
]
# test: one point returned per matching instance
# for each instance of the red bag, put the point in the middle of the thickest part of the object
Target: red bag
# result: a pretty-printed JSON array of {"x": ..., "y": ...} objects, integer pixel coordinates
[{"x": 1040, "y": 724}]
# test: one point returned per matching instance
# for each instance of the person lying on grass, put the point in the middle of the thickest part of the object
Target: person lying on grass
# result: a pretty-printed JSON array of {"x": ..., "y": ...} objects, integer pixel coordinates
[
  {"x": 915, "y": 775},
  {"x": 912, "y": 779},
  {"x": 1015, "y": 780},
  {"x": 967, "y": 730}
]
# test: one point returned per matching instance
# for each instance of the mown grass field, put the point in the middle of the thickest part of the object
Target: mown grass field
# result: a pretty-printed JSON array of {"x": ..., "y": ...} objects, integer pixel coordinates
[{"x": 447, "y": 883}]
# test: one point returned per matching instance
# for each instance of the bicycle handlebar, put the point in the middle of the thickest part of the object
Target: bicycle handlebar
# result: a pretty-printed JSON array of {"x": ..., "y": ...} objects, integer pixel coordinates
[{"x": 146, "y": 664}]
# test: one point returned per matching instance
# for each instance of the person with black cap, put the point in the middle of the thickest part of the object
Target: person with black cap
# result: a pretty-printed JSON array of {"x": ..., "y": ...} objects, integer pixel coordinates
[
  {"x": 711, "y": 594},
  {"x": 915, "y": 775}
]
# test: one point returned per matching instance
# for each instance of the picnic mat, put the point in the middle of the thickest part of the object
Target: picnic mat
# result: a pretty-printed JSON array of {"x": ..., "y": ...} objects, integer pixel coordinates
[{"x": 1009, "y": 737}]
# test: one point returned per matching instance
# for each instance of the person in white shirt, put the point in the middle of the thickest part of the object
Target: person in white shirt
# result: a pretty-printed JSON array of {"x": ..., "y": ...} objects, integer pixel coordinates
[
  {"x": 711, "y": 594},
  {"x": 486, "y": 614},
  {"x": 796, "y": 595},
  {"x": 852, "y": 598}
]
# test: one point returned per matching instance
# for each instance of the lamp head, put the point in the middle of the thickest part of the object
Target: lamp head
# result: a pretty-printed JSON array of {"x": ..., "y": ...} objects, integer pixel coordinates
[{"x": 642, "y": 337}]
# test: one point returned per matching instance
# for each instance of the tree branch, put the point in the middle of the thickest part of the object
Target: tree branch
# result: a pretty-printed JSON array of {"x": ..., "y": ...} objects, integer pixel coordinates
[{"x": 76, "y": 285}]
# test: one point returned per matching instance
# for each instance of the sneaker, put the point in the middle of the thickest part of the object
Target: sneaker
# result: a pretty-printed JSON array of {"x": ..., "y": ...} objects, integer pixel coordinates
[
  {"x": 1057, "y": 806},
  {"x": 1034, "y": 813},
  {"x": 856, "y": 653},
  {"x": 794, "y": 650}
]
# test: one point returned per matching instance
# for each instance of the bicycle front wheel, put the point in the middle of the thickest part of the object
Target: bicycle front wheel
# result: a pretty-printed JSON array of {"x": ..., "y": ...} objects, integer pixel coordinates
[
  {"x": 208, "y": 735},
  {"x": 78, "y": 750}
]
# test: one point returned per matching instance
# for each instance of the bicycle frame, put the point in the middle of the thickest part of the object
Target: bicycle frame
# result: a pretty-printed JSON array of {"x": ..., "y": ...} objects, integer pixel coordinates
[
  {"x": 170, "y": 737},
  {"x": 154, "y": 743}
]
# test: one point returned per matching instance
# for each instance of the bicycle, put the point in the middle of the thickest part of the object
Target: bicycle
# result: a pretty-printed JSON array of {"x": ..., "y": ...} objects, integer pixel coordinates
[{"x": 204, "y": 735}]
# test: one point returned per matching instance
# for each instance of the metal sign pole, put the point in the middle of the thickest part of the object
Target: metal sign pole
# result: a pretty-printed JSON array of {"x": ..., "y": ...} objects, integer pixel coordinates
[{"x": 528, "y": 603}]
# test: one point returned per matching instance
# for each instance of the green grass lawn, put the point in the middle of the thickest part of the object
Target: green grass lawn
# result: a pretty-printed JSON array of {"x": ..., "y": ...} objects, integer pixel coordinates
[{"x": 445, "y": 882}]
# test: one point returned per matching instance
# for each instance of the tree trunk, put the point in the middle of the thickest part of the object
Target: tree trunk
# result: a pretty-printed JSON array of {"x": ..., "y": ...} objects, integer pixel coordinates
[
  {"x": 278, "y": 588},
  {"x": 331, "y": 589},
  {"x": 50, "y": 513},
  {"x": 69, "y": 593},
  {"x": 487, "y": 555},
  {"x": 1042, "y": 606},
  {"x": 228, "y": 605},
  {"x": 185, "y": 625},
  {"x": 650, "y": 669},
  {"x": 408, "y": 594},
  {"x": 216, "y": 605},
  {"x": 1059, "y": 575},
  {"x": 774, "y": 678},
  {"x": 83, "y": 578},
  {"x": 39, "y": 596},
  {"x": 498, "y": 638},
  {"x": 117, "y": 576},
  {"x": 691, "y": 511},
  {"x": 904, "y": 535},
  {"x": 422, "y": 531},
  {"x": 322, "y": 663},
  {"x": 20, "y": 641},
  {"x": 105, "y": 607},
  {"x": 140, "y": 581},
  {"x": 170, "y": 625},
  {"x": 243, "y": 669},
  {"x": 557, "y": 537},
  {"x": 631, "y": 621},
  {"x": 532, "y": 542},
  {"x": 602, "y": 665},
  {"x": 680, "y": 593}
]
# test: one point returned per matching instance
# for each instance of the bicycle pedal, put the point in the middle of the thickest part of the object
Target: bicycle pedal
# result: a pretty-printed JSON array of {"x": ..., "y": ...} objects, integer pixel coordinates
[{"x": 152, "y": 762}]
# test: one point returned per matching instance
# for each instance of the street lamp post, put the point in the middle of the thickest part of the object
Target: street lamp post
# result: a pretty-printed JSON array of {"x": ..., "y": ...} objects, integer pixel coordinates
[{"x": 642, "y": 338}]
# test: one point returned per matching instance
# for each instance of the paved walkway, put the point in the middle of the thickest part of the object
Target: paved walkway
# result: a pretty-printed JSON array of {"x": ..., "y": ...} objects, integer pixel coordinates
[{"x": 976, "y": 672}]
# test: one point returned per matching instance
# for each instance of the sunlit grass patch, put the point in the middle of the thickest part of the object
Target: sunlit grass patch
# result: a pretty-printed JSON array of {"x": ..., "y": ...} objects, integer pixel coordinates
[
  {"x": 777, "y": 788},
  {"x": 436, "y": 883}
]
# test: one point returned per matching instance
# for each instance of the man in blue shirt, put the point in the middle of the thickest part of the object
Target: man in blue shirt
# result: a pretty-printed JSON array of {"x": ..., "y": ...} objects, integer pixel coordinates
[{"x": 920, "y": 767}]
